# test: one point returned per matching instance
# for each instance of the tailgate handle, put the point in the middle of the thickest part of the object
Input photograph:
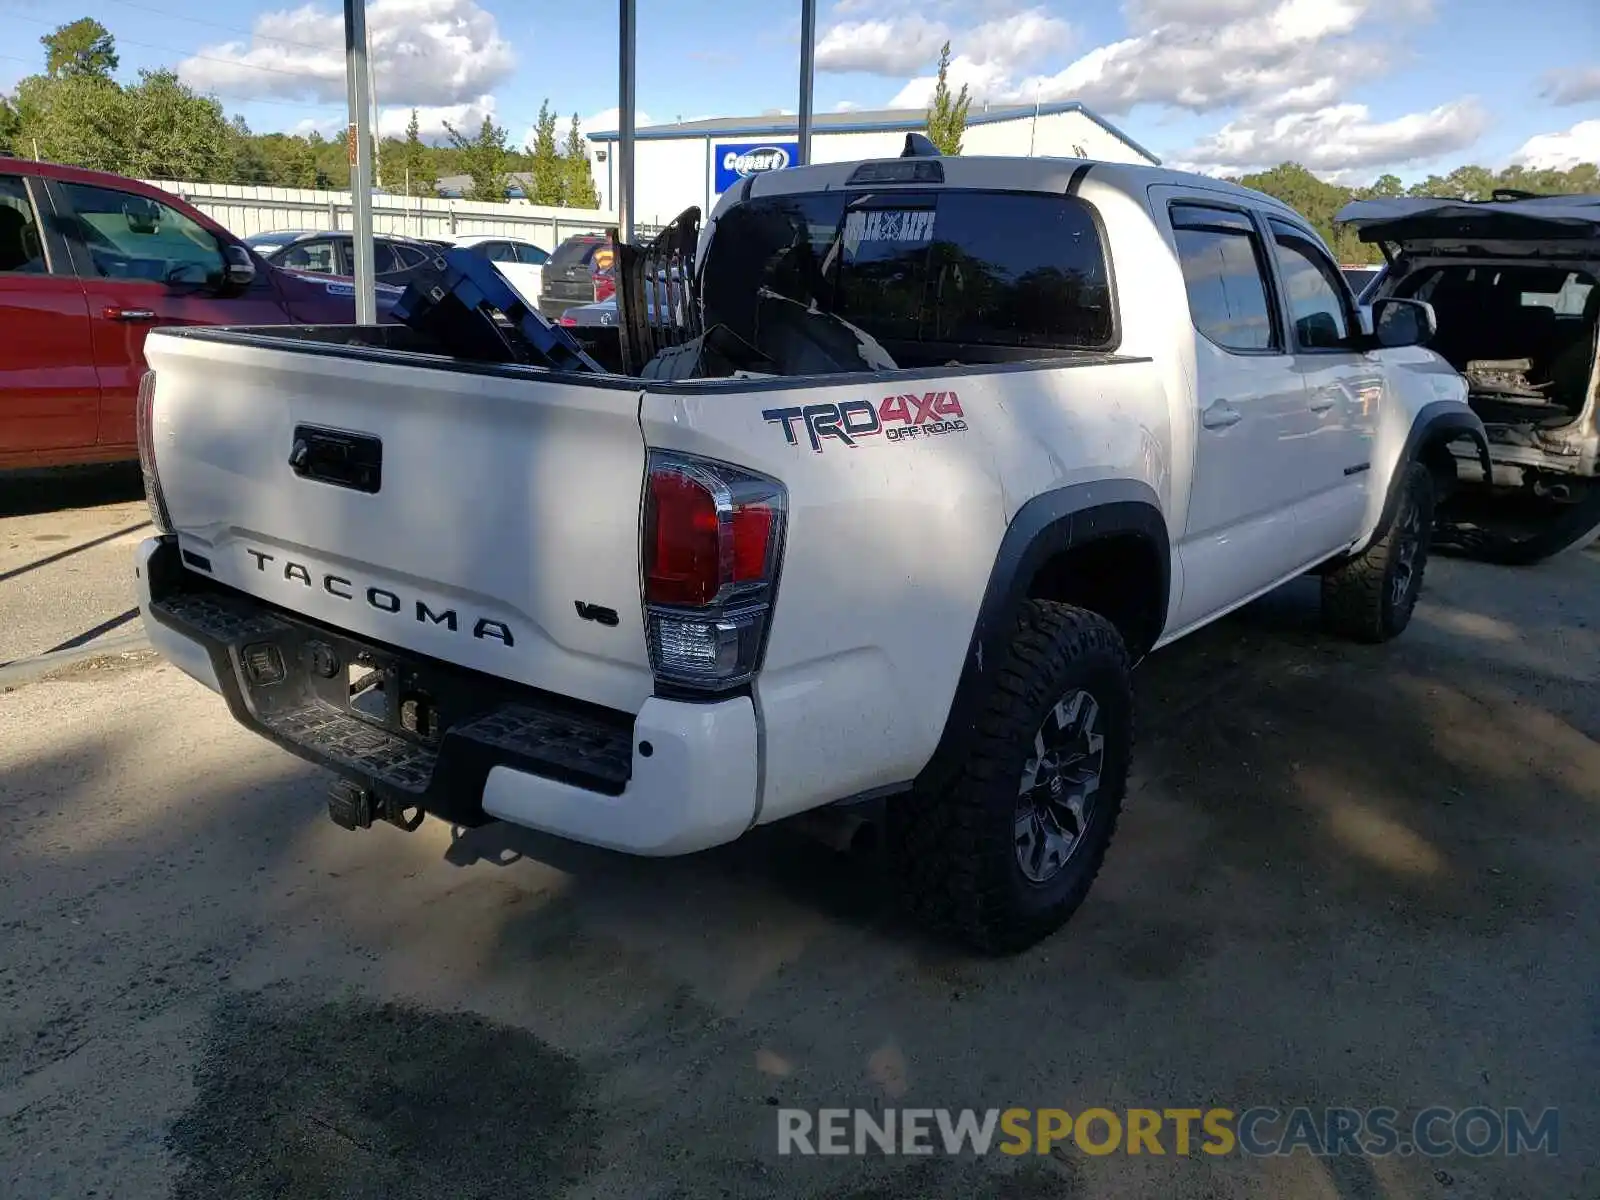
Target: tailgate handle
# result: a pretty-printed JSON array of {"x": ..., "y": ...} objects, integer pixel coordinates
[{"x": 336, "y": 456}]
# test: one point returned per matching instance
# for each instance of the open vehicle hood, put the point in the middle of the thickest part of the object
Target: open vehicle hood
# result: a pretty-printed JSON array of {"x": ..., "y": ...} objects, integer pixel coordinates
[{"x": 1416, "y": 222}]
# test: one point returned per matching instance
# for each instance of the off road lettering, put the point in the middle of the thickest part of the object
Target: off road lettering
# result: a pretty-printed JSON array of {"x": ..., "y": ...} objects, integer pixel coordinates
[{"x": 897, "y": 417}]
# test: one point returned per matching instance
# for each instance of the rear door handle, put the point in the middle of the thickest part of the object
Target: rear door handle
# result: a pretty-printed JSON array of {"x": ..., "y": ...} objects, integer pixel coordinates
[
  {"x": 130, "y": 314},
  {"x": 1220, "y": 415}
]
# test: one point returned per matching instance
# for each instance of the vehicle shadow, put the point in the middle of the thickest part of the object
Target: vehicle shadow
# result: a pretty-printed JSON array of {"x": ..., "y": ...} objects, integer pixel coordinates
[{"x": 25, "y": 493}]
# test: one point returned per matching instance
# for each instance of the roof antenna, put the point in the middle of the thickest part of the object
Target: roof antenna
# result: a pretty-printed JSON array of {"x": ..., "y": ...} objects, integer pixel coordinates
[{"x": 919, "y": 146}]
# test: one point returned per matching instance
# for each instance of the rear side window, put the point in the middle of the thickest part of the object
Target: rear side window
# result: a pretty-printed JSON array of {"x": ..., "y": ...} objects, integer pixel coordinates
[
  {"x": 1223, "y": 273},
  {"x": 574, "y": 251},
  {"x": 499, "y": 252},
  {"x": 383, "y": 259},
  {"x": 1003, "y": 269},
  {"x": 21, "y": 249},
  {"x": 406, "y": 257}
]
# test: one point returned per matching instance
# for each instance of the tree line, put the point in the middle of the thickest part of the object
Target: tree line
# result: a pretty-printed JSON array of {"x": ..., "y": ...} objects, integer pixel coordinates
[{"x": 157, "y": 127}]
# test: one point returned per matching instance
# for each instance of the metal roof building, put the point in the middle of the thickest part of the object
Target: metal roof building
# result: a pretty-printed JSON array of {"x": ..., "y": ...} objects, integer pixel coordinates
[{"x": 694, "y": 162}]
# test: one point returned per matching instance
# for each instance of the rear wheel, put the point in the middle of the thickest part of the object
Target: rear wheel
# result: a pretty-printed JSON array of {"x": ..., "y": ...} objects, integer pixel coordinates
[
  {"x": 1371, "y": 597},
  {"x": 1005, "y": 854}
]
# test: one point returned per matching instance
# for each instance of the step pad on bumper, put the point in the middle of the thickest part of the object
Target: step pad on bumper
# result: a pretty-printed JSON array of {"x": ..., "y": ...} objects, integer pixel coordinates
[{"x": 484, "y": 722}]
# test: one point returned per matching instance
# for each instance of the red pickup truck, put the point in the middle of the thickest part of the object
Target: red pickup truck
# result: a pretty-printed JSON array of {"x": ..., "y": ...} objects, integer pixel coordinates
[{"x": 89, "y": 264}]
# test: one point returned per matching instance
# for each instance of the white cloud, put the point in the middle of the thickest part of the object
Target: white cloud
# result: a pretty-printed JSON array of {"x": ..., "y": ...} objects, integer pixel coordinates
[
  {"x": 1210, "y": 54},
  {"x": 983, "y": 81},
  {"x": 1341, "y": 139},
  {"x": 1562, "y": 151},
  {"x": 1572, "y": 85},
  {"x": 846, "y": 106},
  {"x": 467, "y": 118},
  {"x": 1201, "y": 55},
  {"x": 993, "y": 50},
  {"x": 884, "y": 47},
  {"x": 429, "y": 53},
  {"x": 1019, "y": 39}
]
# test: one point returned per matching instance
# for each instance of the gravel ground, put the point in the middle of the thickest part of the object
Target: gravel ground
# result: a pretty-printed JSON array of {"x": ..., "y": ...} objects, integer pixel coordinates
[{"x": 1346, "y": 876}]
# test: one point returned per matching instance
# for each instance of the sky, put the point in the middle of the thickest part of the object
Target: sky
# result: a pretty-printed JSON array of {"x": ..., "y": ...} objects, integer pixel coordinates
[{"x": 1350, "y": 88}]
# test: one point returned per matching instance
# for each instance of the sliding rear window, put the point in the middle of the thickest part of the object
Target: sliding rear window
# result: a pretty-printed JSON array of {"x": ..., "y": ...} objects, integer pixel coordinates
[{"x": 960, "y": 267}]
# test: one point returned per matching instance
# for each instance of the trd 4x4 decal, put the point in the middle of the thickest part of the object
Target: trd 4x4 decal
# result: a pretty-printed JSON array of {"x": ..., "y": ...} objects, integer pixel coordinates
[{"x": 895, "y": 417}]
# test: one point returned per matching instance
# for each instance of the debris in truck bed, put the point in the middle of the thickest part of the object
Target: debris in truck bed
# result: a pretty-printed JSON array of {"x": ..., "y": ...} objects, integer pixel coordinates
[{"x": 466, "y": 306}]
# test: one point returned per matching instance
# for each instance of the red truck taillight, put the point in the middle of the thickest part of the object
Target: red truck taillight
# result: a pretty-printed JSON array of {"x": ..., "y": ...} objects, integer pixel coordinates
[
  {"x": 712, "y": 540},
  {"x": 144, "y": 422}
]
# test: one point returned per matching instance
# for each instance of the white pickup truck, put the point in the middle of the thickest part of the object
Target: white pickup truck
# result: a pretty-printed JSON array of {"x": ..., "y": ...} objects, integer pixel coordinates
[{"x": 1104, "y": 405}]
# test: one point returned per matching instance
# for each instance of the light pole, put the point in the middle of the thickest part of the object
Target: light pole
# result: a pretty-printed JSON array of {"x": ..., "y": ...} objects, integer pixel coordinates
[
  {"x": 808, "y": 47},
  {"x": 627, "y": 35},
  {"x": 359, "y": 145}
]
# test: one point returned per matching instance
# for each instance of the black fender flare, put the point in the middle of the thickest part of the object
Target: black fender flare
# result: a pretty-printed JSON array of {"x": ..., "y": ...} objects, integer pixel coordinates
[
  {"x": 1045, "y": 526},
  {"x": 1439, "y": 421}
]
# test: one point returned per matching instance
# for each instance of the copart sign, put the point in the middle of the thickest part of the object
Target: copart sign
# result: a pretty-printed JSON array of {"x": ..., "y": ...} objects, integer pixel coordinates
[{"x": 740, "y": 160}]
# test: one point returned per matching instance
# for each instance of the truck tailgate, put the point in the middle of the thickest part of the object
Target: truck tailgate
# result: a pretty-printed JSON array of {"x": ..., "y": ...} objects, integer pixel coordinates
[{"x": 488, "y": 518}]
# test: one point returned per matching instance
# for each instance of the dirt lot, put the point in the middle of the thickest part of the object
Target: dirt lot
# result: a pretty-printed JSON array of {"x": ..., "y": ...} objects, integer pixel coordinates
[{"x": 1346, "y": 876}]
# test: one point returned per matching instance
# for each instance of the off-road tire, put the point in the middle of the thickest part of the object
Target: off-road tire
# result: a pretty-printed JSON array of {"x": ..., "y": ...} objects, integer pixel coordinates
[
  {"x": 1360, "y": 600},
  {"x": 955, "y": 851}
]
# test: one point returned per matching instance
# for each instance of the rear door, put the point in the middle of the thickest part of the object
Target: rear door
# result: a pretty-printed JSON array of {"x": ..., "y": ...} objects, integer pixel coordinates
[
  {"x": 1344, "y": 389},
  {"x": 143, "y": 263},
  {"x": 49, "y": 391}
]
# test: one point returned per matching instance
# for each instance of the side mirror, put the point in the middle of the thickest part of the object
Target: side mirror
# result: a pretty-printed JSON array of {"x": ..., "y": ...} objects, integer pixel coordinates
[
  {"x": 239, "y": 271},
  {"x": 1397, "y": 323}
]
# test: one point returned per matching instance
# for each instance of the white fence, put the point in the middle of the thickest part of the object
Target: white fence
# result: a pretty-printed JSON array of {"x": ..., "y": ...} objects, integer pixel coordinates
[{"x": 248, "y": 210}]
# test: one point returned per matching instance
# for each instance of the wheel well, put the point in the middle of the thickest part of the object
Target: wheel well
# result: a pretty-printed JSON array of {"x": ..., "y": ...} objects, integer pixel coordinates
[
  {"x": 1435, "y": 455},
  {"x": 1118, "y": 576}
]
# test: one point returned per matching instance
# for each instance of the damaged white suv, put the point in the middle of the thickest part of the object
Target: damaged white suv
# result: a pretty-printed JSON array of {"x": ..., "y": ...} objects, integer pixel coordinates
[{"x": 1514, "y": 283}]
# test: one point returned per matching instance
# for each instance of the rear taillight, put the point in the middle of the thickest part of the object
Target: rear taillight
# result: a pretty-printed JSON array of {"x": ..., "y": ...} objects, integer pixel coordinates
[
  {"x": 144, "y": 423},
  {"x": 713, "y": 537}
]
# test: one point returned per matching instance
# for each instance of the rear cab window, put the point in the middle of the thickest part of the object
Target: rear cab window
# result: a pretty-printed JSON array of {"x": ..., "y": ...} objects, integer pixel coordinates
[
  {"x": 951, "y": 267},
  {"x": 1225, "y": 275}
]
